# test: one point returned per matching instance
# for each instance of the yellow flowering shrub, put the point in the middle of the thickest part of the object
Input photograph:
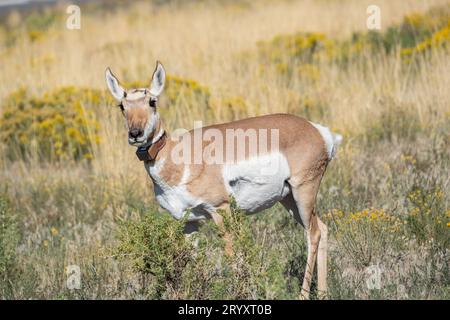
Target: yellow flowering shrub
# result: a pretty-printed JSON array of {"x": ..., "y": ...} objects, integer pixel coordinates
[
  {"x": 437, "y": 40},
  {"x": 34, "y": 26},
  {"x": 416, "y": 26},
  {"x": 372, "y": 216},
  {"x": 428, "y": 218},
  {"x": 233, "y": 107},
  {"x": 294, "y": 55},
  {"x": 297, "y": 55},
  {"x": 177, "y": 86},
  {"x": 416, "y": 34},
  {"x": 61, "y": 124},
  {"x": 365, "y": 235}
]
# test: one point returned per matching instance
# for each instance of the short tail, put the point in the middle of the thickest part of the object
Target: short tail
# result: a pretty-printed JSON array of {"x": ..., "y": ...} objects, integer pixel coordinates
[
  {"x": 332, "y": 140},
  {"x": 337, "y": 140}
]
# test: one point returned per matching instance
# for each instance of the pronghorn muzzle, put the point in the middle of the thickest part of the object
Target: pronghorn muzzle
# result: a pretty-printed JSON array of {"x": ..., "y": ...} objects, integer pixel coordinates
[{"x": 135, "y": 133}]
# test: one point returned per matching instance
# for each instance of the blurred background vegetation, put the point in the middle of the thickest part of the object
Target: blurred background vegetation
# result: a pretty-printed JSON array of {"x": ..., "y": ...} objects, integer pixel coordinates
[{"x": 72, "y": 192}]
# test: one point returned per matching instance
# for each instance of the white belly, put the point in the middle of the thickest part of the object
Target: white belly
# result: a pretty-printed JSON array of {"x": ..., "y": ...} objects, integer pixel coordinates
[
  {"x": 176, "y": 199},
  {"x": 257, "y": 183}
]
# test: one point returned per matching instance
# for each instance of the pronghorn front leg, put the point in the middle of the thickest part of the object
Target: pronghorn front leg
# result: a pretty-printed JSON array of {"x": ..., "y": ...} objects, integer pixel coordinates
[{"x": 218, "y": 220}]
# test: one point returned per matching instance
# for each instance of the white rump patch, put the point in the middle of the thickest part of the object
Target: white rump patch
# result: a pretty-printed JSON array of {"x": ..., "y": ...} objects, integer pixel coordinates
[
  {"x": 331, "y": 140},
  {"x": 257, "y": 183}
]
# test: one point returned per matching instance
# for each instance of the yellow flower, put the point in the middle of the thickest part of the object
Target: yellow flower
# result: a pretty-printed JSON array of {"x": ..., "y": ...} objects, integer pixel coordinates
[{"x": 54, "y": 231}]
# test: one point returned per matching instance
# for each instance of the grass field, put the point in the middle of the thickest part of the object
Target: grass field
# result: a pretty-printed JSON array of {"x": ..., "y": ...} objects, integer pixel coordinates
[{"x": 73, "y": 193}]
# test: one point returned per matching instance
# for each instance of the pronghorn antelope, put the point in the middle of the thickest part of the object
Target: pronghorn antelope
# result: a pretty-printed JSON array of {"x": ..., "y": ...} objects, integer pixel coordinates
[{"x": 290, "y": 174}]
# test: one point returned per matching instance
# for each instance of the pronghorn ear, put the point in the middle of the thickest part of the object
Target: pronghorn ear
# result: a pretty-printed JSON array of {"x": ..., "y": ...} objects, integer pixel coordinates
[
  {"x": 113, "y": 85},
  {"x": 158, "y": 80}
]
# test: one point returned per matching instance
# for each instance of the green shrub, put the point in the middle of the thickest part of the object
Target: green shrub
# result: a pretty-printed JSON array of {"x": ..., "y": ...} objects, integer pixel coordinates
[
  {"x": 9, "y": 238},
  {"x": 58, "y": 125},
  {"x": 252, "y": 271},
  {"x": 155, "y": 245},
  {"x": 196, "y": 267},
  {"x": 242, "y": 268}
]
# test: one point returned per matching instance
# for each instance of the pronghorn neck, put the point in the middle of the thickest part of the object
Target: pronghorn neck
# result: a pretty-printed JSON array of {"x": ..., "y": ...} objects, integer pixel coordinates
[{"x": 158, "y": 132}]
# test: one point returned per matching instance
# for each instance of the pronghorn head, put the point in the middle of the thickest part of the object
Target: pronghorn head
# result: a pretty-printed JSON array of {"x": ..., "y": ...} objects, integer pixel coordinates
[{"x": 139, "y": 106}]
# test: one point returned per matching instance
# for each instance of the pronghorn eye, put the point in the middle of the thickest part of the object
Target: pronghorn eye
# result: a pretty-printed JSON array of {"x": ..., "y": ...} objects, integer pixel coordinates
[
  {"x": 152, "y": 102},
  {"x": 121, "y": 107}
]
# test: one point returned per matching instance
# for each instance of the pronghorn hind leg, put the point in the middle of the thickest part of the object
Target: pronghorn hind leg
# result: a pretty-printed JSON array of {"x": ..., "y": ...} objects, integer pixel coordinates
[
  {"x": 301, "y": 204},
  {"x": 291, "y": 206},
  {"x": 322, "y": 260},
  {"x": 313, "y": 238}
]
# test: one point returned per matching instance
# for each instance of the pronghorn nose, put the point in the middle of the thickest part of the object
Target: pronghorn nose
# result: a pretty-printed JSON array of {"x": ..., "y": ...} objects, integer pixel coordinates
[{"x": 134, "y": 133}]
